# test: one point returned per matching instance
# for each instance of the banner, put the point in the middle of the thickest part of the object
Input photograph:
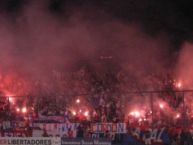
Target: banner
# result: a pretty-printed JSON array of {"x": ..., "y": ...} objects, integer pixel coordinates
[
  {"x": 58, "y": 129},
  {"x": 6, "y": 125},
  {"x": 15, "y": 133},
  {"x": 61, "y": 129},
  {"x": 149, "y": 136},
  {"x": 110, "y": 127},
  {"x": 30, "y": 141},
  {"x": 50, "y": 118},
  {"x": 65, "y": 141}
]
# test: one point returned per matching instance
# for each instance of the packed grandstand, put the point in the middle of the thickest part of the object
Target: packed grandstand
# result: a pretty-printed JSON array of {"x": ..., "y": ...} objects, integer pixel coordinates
[{"x": 107, "y": 108}]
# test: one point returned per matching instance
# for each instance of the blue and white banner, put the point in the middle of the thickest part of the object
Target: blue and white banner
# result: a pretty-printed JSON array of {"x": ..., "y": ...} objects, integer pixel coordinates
[
  {"x": 110, "y": 127},
  {"x": 150, "y": 137},
  {"x": 61, "y": 129},
  {"x": 58, "y": 129}
]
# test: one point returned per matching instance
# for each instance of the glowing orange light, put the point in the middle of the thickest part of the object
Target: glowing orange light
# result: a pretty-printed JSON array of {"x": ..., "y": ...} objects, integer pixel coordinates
[
  {"x": 132, "y": 113},
  {"x": 86, "y": 113},
  {"x": 78, "y": 101},
  {"x": 179, "y": 85},
  {"x": 24, "y": 110},
  {"x": 11, "y": 100},
  {"x": 18, "y": 109},
  {"x": 161, "y": 106},
  {"x": 74, "y": 113},
  {"x": 137, "y": 114},
  {"x": 178, "y": 116}
]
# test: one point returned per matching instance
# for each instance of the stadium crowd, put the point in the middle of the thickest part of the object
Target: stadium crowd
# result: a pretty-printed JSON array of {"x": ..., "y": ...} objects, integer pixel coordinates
[{"x": 96, "y": 97}]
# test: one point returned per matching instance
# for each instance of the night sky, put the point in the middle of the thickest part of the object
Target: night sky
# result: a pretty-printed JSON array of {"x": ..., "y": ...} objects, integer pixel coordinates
[{"x": 174, "y": 17}]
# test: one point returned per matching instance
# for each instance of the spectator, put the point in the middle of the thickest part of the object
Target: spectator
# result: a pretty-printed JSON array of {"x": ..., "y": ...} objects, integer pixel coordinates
[
  {"x": 80, "y": 132},
  {"x": 45, "y": 134},
  {"x": 70, "y": 133}
]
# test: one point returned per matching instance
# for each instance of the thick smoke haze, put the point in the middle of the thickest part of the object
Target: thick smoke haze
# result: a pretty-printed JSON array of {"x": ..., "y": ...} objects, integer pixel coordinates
[
  {"x": 35, "y": 43},
  {"x": 53, "y": 52}
]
